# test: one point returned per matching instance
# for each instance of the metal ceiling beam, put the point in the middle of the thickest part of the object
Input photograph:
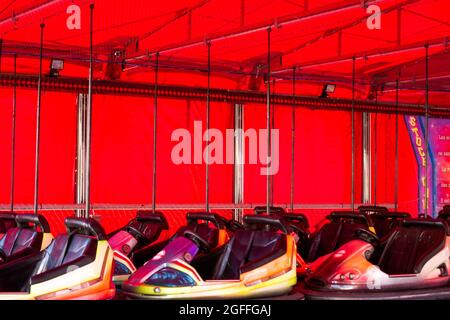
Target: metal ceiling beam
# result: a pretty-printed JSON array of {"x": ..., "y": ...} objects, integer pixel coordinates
[
  {"x": 389, "y": 73},
  {"x": 279, "y": 22},
  {"x": 80, "y": 85},
  {"x": 433, "y": 43},
  {"x": 335, "y": 30}
]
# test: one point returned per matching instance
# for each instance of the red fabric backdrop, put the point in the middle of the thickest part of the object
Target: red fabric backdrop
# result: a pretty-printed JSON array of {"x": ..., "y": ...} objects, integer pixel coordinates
[{"x": 122, "y": 155}]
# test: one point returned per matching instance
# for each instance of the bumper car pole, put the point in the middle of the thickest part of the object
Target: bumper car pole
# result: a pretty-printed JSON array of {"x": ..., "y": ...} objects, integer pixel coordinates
[
  {"x": 396, "y": 146},
  {"x": 13, "y": 135},
  {"x": 89, "y": 117},
  {"x": 375, "y": 153},
  {"x": 208, "y": 105},
  {"x": 268, "y": 198},
  {"x": 353, "y": 134},
  {"x": 427, "y": 129},
  {"x": 155, "y": 131},
  {"x": 293, "y": 140},
  {"x": 38, "y": 123}
]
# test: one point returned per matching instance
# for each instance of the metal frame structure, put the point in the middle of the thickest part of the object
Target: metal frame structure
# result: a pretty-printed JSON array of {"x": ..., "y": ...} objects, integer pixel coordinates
[
  {"x": 293, "y": 130},
  {"x": 353, "y": 185},
  {"x": 367, "y": 158},
  {"x": 238, "y": 180},
  {"x": 155, "y": 133},
  {"x": 87, "y": 192},
  {"x": 86, "y": 88},
  {"x": 38, "y": 124},
  {"x": 269, "y": 125},
  {"x": 208, "y": 116},
  {"x": 80, "y": 174},
  {"x": 427, "y": 132},
  {"x": 81, "y": 85},
  {"x": 13, "y": 139}
]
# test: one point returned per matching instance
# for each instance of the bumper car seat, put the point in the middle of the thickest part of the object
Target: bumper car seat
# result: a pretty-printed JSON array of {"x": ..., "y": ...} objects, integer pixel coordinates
[
  {"x": 339, "y": 230},
  {"x": 31, "y": 235},
  {"x": 76, "y": 265},
  {"x": 7, "y": 221}
]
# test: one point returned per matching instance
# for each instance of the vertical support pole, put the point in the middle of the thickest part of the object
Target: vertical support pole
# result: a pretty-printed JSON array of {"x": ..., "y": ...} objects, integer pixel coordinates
[
  {"x": 208, "y": 102},
  {"x": 13, "y": 135},
  {"x": 239, "y": 160},
  {"x": 427, "y": 128},
  {"x": 89, "y": 115},
  {"x": 38, "y": 124},
  {"x": 367, "y": 183},
  {"x": 353, "y": 132},
  {"x": 375, "y": 155},
  {"x": 81, "y": 151},
  {"x": 293, "y": 139},
  {"x": 269, "y": 132},
  {"x": 271, "y": 146},
  {"x": 155, "y": 132},
  {"x": 396, "y": 145}
]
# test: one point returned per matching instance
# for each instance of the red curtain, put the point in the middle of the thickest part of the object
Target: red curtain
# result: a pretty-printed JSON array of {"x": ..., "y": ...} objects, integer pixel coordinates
[{"x": 122, "y": 156}]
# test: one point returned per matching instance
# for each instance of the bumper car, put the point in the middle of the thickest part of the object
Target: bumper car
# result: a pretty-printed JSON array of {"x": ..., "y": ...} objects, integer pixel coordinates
[
  {"x": 210, "y": 226},
  {"x": 340, "y": 229},
  {"x": 412, "y": 262},
  {"x": 76, "y": 265},
  {"x": 27, "y": 234},
  {"x": 253, "y": 264},
  {"x": 138, "y": 233}
]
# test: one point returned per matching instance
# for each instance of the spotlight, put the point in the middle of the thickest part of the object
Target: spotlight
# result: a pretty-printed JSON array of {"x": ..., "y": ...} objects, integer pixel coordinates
[
  {"x": 55, "y": 67},
  {"x": 327, "y": 88}
]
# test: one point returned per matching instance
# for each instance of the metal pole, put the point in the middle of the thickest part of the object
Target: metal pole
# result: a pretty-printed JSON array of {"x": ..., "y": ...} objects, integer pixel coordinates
[
  {"x": 13, "y": 135},
  {"x": 293, "y": 140},
  {"x": 208, "y": 93},
  {"x": 238, "y": 159},
  {"x": 367, "y": 157},
  {"x": 38, "y": 124},
  {"x": 268, "y": 200},
  {"x": 375, "y": 154},
  {"x": 272, "y": 126},
  {"x": 81, "y": 152},
  {"x": 427, "y": 89},
  {"x": 353, "y": 134},
  {"x": 155, "y": 131},
  {"x": 396, "y": 146},
  {"x": 89, "y": 117}
]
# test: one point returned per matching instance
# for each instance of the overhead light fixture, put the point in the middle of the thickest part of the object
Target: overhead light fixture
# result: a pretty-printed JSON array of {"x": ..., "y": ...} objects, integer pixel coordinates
[
  {"x": 55, "y": 67},
  {"x": 327, "y": 89}
]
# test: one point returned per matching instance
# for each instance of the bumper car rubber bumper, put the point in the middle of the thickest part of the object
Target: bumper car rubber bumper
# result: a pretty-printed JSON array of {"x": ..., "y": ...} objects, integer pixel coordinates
[{"x": 441, "y": 293}]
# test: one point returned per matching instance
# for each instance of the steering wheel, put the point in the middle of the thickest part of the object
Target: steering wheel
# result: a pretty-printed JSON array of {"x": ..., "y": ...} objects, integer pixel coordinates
[
  {"x": 367, "y": 236},
  {"x": 138, "y": 235},
  {"x": 3, "y": 256},
  {"x": 199, "y": 241}
]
